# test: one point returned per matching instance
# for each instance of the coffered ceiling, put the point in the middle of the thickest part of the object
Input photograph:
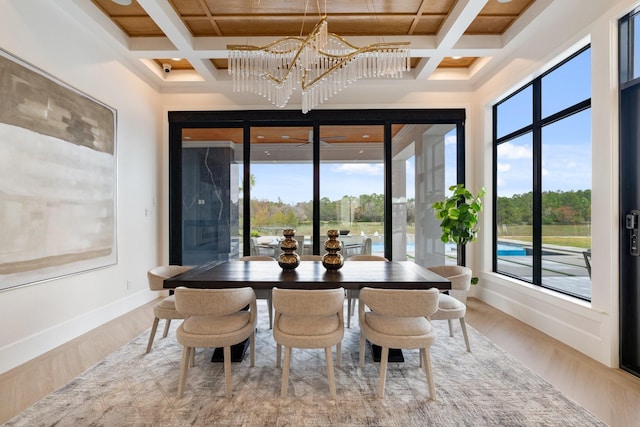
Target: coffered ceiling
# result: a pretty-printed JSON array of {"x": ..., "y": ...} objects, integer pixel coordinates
[{"x": 451, "y": 40}]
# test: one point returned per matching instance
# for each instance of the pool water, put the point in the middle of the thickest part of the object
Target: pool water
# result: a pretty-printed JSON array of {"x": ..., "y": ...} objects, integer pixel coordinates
[{"x": 503, "y": 249}]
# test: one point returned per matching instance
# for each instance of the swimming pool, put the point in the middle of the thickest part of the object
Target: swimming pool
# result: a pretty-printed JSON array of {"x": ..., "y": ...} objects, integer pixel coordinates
[{"x": 504, "y": 249}]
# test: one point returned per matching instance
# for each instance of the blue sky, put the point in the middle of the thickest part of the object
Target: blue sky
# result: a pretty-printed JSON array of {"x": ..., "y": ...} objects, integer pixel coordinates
[
  {"x": 293, "y": 183},
  {"x": 566, "y": 146}
]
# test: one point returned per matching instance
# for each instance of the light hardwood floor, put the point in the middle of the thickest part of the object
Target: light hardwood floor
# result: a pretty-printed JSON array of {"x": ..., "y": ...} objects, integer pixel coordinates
[{"x": 611, "y": 394}]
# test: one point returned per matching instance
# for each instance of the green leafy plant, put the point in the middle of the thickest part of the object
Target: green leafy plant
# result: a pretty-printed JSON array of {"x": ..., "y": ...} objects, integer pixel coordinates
[{"x": 458, "y": 215}]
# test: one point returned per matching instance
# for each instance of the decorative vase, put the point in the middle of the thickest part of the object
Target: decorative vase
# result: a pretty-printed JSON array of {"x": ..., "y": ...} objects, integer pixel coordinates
[
  {"x": 332, "y": 260},
  {"x": 289, "y": 259}
]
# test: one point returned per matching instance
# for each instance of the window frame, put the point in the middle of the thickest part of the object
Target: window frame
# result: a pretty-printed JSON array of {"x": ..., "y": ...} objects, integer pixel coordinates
[{"x": 535, "y": 127}]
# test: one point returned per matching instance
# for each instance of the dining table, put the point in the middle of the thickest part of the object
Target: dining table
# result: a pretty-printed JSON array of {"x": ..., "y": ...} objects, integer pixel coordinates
[{"x": 308, "y": 275}]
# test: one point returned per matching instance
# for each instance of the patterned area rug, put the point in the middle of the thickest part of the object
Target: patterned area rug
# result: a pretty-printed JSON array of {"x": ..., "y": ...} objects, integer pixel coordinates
[{"x": 486, "y": 387}]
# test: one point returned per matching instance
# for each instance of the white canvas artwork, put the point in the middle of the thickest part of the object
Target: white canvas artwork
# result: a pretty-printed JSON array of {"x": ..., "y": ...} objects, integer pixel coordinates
[{"x": 57, "y": 178}]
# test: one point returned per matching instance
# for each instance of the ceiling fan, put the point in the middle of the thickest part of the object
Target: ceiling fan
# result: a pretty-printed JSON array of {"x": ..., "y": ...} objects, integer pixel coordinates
[{"x": 323, "y": 141}]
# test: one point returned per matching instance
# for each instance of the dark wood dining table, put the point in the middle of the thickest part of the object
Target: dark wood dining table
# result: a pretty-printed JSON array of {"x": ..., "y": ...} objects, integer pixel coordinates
[{"x": 309, "y": 275}]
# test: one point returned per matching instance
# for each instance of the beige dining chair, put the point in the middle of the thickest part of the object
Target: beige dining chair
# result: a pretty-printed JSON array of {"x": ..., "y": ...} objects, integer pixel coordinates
[
  {"x": 262, "y": 293},
  {"x": 352, "y": 294},
  {"x": 166, "y": 308},
  {"x": 452, "y": 305},
  {"x": 308, "y": 319},
  {"x": 214, "y": 318},
  {"x": 398, "y": 318}
]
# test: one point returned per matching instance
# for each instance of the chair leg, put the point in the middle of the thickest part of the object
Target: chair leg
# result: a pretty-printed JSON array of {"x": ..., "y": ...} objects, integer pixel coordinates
[
  {"x": 278, "y": 355},
  {"x": 227, "y": 370},
  {"x": 330, "y": 373},
  {"x": 463, "y": 325},
  {"x": 285, "y": 372},
  {"x": 338, "y": 354},
  {"x": 186, "y": 356},
  {"x": 361, "y": 350},
  {"x": 252, "y": 343},
  {"x": 348, "y": 310},
  {"x": 384, "y": 357},
  {"x": 426, "y": 356},
  {"x": 270, "y": 308},
  {"x": 167, "y": 324},
  {"x": 153, "y": 333},
  {"x": 450, "y": 327}
]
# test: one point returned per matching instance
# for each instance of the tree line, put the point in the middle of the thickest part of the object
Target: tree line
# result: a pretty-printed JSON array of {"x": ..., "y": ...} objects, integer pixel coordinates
[
  {"x": 363, "y": 208},
  {"x": 558, "y": 207}
]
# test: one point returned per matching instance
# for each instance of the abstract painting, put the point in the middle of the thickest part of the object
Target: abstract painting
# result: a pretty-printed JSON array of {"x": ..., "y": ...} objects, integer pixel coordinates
[{"x": 57, "y": 177}]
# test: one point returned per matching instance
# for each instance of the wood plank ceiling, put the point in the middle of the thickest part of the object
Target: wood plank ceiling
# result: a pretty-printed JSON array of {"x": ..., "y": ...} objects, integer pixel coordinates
[
  {"x": 451, "y": 40},
  {"x": 196, "y": 31}
]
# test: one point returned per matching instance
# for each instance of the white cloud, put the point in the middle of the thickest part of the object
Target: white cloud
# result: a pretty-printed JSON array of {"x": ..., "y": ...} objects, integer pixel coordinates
[
  {"x": 361, "y": 168},
  {"x": 510, "y": 151},
  {"x": 450, "y": 139},
  {"x": 504, "y": 167}
]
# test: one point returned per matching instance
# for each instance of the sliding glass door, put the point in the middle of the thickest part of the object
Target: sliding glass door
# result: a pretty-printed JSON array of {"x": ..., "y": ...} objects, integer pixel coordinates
[{"x": 238, "y": 179}]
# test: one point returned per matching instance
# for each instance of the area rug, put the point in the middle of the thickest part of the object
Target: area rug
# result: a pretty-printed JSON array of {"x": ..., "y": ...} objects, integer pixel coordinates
[{"x": 486, "y": 387}]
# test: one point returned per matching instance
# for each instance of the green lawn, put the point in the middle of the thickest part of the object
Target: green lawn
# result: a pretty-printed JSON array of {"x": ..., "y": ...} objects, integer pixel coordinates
[{"x": 578, "y": 236}]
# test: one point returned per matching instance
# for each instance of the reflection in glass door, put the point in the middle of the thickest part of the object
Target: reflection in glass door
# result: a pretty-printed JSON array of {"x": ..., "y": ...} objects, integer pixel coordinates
[{"x": 209, "y": 196}]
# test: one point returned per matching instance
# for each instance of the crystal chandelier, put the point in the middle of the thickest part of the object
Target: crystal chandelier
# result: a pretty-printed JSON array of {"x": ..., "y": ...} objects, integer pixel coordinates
[{"x": 321, "y": 64}]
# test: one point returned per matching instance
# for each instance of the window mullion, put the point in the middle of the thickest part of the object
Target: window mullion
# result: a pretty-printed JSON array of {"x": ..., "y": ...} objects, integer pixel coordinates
[{"x": 537, "y": 181}]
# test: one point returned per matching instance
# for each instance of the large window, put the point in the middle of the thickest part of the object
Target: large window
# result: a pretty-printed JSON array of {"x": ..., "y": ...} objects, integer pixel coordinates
[{"x": 542, "y": 179}]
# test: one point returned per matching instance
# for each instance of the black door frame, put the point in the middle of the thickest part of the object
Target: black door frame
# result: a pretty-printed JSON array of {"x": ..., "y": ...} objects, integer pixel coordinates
[
  {"x": 629, "y": 197},
  {"x": 179, "y": 120}
]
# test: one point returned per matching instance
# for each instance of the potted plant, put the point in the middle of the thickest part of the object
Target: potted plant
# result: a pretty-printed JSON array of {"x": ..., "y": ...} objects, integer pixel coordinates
[{"x": 458, "y": 215}]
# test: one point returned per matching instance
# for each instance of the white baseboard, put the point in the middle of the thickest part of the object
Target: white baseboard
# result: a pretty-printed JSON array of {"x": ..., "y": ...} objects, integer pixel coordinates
[
  {"x": 22, "y": 351},
  {"x": 566, "y": 319}
]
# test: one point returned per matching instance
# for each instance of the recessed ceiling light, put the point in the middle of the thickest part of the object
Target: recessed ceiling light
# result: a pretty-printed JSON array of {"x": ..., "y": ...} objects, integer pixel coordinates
[
  {"x": 122, "y": 2},
  {"x": 260, "y": 136},
  {"x": 187, "y": 137},
  {"x": 365, "y": 136},
  {"x": 456, "y": 57},
  {"x": 285, "y": 137},
  {"x": 361, "y": 151},
  {"x": 504, "y": 1}
]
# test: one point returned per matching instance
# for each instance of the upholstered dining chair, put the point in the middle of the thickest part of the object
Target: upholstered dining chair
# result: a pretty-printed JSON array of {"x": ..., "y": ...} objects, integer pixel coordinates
[
  {"x": 453, "y": 306},
  {"x": 166, "y": 308},
  {"x": 215, "y": 318},
  {"x": 262, "y": 293},
  {"x": 398, "y": 318},
  {"x": 352, "y": 294},
  {"x": 308, "y": 319}
]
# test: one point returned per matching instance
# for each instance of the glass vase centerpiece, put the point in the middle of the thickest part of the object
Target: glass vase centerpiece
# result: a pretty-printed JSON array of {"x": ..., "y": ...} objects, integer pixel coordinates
[
  {"x": 289, "y": 259},
  {"x": 332, "y": 259}
]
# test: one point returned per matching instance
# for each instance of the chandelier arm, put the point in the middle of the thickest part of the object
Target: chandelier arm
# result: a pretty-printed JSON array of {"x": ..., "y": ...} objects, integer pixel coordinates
[
  {"x": 343, "y": 59},
  {"x": 274, "y": 69}
]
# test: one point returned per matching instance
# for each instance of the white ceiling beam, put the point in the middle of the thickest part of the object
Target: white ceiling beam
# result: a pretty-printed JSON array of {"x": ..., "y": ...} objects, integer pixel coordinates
[
  {"x": 178, "y": 34},
  {"x": 452, "y": 30}
]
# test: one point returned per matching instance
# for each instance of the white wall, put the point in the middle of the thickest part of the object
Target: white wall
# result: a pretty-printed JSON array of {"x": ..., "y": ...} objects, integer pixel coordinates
[
  {"x": 39, "y": 317},
  {"x": 590, "y": 328}
]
